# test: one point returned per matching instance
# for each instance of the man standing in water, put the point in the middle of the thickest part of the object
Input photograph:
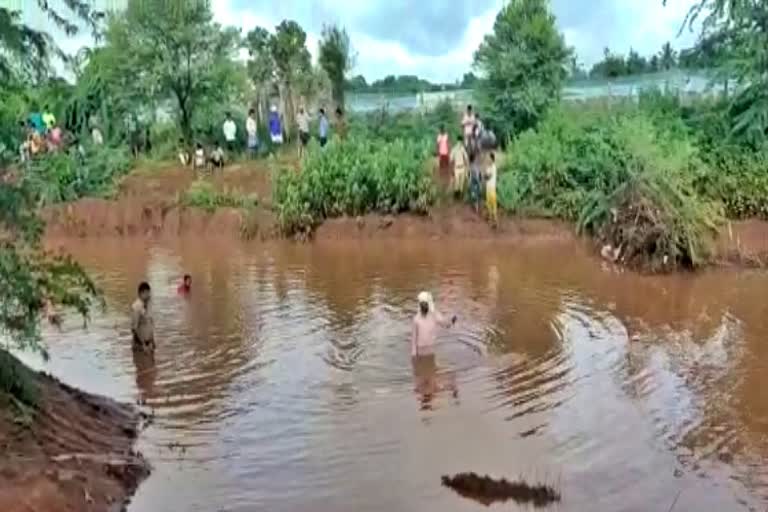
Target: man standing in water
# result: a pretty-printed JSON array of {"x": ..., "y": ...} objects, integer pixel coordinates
[
  {"x": 142, "y": 324},
  {"x": 423, "y": 339},
  {"x": 425, "y": 325}
]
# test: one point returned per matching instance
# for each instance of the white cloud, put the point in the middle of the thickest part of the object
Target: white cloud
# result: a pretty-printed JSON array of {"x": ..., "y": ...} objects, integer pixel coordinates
[{"x": 588, "y": 25}]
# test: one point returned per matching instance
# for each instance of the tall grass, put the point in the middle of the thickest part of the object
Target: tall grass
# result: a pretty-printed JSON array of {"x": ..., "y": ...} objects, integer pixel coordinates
[
  {"x": 621, "y": 173},
  {"x": 353, "y": 177},
  {"x": 67, "y": 176},
  {"x": 202, "y": 194}
]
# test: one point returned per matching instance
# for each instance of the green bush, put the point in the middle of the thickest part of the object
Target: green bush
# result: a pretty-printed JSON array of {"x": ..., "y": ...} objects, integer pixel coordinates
[
  {"x": 67, "y": 176},
  {"x": 620, "y": 174},
  {"x": 411, "y": 125},
  {"x": 202, "y": 194},
  {"x": 353, "y": 177},
  {"x": 737, "y": 177}
]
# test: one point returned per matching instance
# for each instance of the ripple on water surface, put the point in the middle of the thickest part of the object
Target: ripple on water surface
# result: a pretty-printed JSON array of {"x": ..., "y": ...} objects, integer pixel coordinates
[{"x": 284, "y": 381}]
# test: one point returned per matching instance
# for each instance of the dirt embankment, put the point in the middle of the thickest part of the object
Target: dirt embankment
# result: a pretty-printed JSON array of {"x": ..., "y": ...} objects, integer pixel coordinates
[
  {"x": 147, "y": 204},
  {"x": 73, "y": 453}
]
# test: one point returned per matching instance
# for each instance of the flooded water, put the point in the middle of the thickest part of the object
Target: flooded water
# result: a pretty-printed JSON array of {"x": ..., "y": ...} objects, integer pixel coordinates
[{"x": 284, "y": 381}]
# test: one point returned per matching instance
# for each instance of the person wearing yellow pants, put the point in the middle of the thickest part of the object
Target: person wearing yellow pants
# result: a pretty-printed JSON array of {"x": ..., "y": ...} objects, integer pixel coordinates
[{"x": 490, "y": 191}]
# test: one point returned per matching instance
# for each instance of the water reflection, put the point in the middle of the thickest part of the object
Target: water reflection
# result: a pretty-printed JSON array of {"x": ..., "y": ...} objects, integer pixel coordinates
[{"x": 286, "y": 374}]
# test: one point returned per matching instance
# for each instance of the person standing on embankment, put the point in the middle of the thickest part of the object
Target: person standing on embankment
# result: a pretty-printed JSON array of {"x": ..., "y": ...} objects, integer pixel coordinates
[
  {"x": 490, "y": 192},
  {"x": 443, "y": 153},
  {"x": 468, "y": 126},
  {"x": 230, "y": 133},
  {"x": 460, "y": 162}
]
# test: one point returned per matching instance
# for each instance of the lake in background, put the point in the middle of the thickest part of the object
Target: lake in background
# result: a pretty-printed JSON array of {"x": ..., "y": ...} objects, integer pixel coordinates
[{"x": 679, "y": 81}]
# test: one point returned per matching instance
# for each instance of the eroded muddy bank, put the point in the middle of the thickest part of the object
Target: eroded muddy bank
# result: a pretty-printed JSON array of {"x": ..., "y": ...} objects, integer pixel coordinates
[
  {"x": 74, "y": 452},
  {"x": 742, "y": 243}
]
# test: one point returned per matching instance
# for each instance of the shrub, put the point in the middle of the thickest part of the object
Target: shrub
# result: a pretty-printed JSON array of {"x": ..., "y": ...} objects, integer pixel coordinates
[
  {"x": 353, "y": 177},
  {"x": 522, "y": 65},
  {"x": 411, "y": 125},
  {"x": 202, "y": 194},
  {"x": 621, "y": 176},
  {"x": 737, "y": 177},
  {"x": 67, "y": 176}
]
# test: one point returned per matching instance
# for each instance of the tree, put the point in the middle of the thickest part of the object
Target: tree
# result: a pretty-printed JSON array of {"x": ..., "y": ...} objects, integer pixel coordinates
[
  {"x": 357, "y": 84},
  {"x": 261, "y": 67},
  {"x": 653, "y": 63},
  {"x": 636, "y": 64},
  {"x": 291, "y": 58},
  {"x": 468, "y": 81},
  {"x": 336, "y": 59},
  {"x": 172, "y": 49},
  {"x": 612, "y": 66},
  {"x": 667, "y": 57},
  {"x": 734, "y": 38},
  {"x": 30, "y": 278},
  {"x": 523, "y": 66},
  {"x": 26, "y": 51}
]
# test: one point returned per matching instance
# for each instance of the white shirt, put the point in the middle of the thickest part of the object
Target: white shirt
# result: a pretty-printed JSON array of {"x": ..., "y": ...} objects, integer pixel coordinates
[
  {"x": 199, "y": 157},
  {"x": 490, "y": 174},
  {"x": 250, "y": 126},
  {"x": 303, "y": 121},
  {"x": 230, "y": 130}
]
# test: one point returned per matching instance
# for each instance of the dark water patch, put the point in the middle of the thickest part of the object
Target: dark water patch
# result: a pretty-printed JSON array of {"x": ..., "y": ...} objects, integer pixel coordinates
[{"x": 487, "y": 490}]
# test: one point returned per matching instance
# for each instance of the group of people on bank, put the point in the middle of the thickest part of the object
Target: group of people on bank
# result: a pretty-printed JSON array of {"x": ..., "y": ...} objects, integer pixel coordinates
[
  {"x": 465, "y": 160},
  {"x": 215, "y": 155},
  {"x": 41, "y": 133}
]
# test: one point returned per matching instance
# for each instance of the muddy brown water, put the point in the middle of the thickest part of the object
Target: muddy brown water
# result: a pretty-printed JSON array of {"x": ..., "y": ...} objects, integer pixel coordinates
[{"x": 284, "y": 381}]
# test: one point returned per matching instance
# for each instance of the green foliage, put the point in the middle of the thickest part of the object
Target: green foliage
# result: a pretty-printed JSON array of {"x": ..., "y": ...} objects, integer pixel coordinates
[
  {"x": 523, "y": 65},
  {"x": 67, "y": 176},
  {"x": 336, "y": 58},
  {"x": 616, "y": 65},
  {"x": 389, "y": 126},
  {"x": 25, "y": 52},
  {"x": 162, "y": 49},
  {"x": 738, "y": 178},
  {"x": 735, "y": 34},
  {"x": 353, "y": 177},
  {"x": 30, "y": 278},
  {"x": 202, "y": 194},
  {"x": 625, "y": 175}
]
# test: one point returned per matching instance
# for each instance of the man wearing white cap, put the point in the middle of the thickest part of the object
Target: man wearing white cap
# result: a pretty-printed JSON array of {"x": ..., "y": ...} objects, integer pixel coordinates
[{"x": 425, "y": 325}]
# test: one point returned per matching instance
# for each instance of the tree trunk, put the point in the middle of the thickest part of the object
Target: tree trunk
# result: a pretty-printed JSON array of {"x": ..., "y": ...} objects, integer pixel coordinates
[{"x": 186, "y": 124}]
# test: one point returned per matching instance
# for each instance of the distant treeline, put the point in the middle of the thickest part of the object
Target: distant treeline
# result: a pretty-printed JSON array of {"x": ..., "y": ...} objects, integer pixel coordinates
[
  {"x": 406, "y": 84},
  {"x": 614, "y": 65}
]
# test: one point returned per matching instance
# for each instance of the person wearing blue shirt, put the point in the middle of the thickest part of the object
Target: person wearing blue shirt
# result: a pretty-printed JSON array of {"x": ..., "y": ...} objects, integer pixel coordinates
[
  {"x": 324, "y": 127},
  {"x": 36, "y": 119}
]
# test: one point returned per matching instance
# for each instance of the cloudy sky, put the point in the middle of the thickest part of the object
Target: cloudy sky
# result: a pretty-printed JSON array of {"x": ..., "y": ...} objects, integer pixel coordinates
[{"x": 436, "y": 38}]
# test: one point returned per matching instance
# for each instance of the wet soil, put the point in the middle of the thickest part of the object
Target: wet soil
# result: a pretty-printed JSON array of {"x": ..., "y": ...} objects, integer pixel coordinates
[
  {"x": 147, "y": 205},
  {"x": 73, "y": 452}
]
